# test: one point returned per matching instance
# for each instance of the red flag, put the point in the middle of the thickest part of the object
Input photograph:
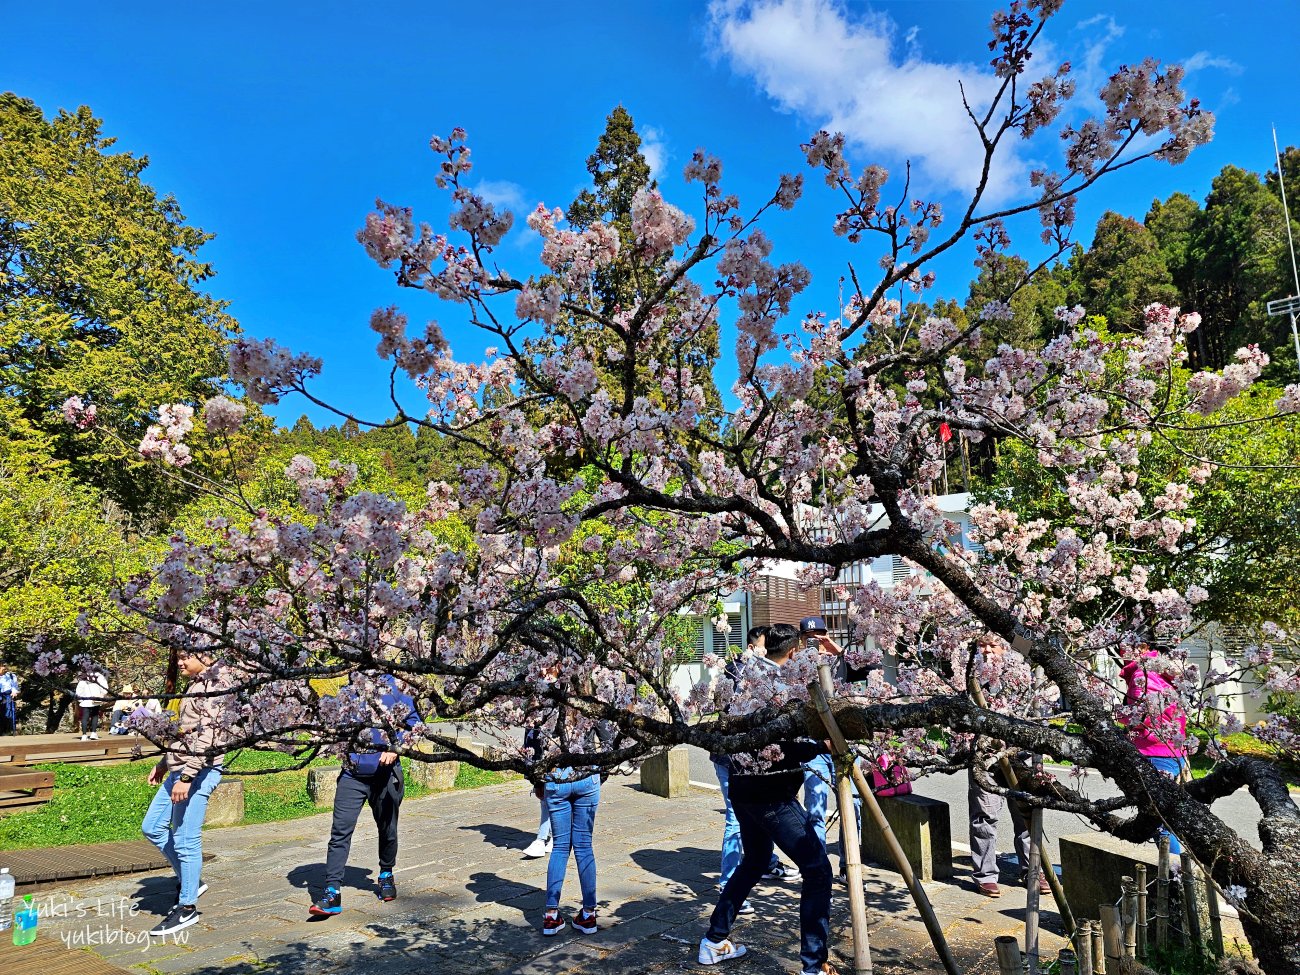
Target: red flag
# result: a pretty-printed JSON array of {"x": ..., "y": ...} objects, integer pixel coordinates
[{"x": 945, "y": 432}]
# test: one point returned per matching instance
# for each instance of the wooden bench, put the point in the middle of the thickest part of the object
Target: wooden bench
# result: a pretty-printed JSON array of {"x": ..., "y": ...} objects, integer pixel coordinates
[
  {"x": 22, "y": 788},
  {"x": 48, "y": 956},
  {"x": 37, "y": 749},
  {"x": 47, "y": 864}
]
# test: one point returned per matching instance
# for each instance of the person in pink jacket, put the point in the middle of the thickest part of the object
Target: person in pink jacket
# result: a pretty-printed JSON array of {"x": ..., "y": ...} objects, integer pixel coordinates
[{"x": 1161, "y": 732}]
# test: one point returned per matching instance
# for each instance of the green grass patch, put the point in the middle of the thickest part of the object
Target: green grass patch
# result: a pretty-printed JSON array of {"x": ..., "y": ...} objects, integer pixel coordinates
[{"x": 105, "y": 803}]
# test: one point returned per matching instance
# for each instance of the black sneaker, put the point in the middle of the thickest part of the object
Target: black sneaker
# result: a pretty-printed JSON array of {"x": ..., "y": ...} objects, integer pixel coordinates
[
  {"x": 181, "y": 917},
  {"x": 328, "y": 903},
  {"x": 387, "y": 889},
  {"x": 203, "y": 889}
]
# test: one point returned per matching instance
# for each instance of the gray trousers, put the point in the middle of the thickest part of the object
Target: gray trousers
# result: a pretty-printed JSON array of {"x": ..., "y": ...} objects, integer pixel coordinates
[
  {"x": 383, "y": 793},
  {"x": 985, "y": 809}
]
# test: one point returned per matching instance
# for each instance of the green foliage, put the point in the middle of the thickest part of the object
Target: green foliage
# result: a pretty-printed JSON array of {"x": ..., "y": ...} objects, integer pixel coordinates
[
  {"x": 104, "y": 803},
  {"x": 99, "y": 297},
  {"x": 1123, "y": 272}
]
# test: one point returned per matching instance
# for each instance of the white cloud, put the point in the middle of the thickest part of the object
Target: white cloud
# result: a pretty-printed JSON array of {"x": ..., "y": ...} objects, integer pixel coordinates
[
  {"x": 849, "y": 76},
  {"x": 1091, "y": 74},
  {"x": 654, "y": 147},
  {"x": 502, "y": 193},
  {"x": 1204, "y": 59}
]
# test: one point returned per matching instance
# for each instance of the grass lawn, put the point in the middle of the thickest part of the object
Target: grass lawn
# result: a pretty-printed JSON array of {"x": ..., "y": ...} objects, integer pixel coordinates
[{"x": 104, "y": 803}]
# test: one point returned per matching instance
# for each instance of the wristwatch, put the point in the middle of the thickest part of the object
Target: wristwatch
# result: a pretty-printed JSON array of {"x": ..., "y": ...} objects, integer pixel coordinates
[{"x": 186, "y": 778}]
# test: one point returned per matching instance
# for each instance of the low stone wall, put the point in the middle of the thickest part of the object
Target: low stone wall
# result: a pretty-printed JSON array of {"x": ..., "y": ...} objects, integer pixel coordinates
[
  {"x": 1092, "y": 866},
  {"x": 923, "y": 829},
  {"x": 322, "y": 784}
]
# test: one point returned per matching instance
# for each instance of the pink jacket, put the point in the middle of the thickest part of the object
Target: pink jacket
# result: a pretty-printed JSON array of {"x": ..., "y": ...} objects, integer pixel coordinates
[
  {"x": 1157, "y": 733},
  {"x": 888, "y": 778}
]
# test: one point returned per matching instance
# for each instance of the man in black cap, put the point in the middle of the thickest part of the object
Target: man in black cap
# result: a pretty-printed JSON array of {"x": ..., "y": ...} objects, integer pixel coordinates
[{"x": 819, "y": 773}]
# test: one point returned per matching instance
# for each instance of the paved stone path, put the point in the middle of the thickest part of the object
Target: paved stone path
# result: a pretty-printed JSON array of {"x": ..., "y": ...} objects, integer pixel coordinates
[{"x": 470, "y": 905}]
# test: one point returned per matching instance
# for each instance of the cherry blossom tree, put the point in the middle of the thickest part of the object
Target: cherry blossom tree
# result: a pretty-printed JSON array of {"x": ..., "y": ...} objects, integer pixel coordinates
[{"x": 565, "y": 589}]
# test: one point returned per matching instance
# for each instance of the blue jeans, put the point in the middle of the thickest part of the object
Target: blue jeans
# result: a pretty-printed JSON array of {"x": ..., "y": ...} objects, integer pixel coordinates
[
  {"x": 177, "y": 829},
  {"x": 818, "y": 777},
  {"x": 731, "y": 845},
  {"x": 573, "y": 815},
  {"x": 786, "y": 825},
  {"x": 1172, "y": 767}
]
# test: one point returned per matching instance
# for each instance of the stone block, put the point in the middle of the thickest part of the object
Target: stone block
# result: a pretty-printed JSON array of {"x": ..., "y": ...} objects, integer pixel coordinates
[
  {"x": 667, "y": 773},
  {"x": 1092, "y": 865},
  {"x": 435, "y": 776},
  {"x": 466, "y": 743},
  {"x": 923, "y": 829},
  {"x": 322, "y": 783},
  {"x": 226, "y": 804}
]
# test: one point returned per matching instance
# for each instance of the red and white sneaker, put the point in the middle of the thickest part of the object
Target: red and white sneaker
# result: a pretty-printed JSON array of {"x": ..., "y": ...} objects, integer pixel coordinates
[
  {"x": 585, "y": 923},
  {"x": 553, "y": 923}
]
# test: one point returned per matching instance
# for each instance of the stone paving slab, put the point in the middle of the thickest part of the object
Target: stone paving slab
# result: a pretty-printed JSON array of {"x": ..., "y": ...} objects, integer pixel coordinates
[{"x": 469, "y": 903}]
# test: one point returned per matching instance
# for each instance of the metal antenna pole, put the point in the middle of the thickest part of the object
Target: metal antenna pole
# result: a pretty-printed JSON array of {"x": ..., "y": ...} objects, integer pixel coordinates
[{"x": 1295, "y": 274}]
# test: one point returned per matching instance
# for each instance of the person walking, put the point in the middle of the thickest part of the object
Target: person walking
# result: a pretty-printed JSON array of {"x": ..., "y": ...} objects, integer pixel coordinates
[
  {"x": 732, "y": 849},
  {"x": 372, "y": 777},
  {"x": 541, "y": 845},
  {"x": 188, "y": 772},
  {"x": 1156, "y": 720},
  {"x": 985, "y": 809},
  {"x": 9, "y": 688},
  {"x": 819, "y": 773},
  {"x": 770, "y": 816},
  {"x": 91, "y": 692}
]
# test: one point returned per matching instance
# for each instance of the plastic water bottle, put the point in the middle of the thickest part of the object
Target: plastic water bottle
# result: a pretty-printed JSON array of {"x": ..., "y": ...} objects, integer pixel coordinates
[
  {"x": 6, "y": 899},
  {"x": 25, "y": 922}
]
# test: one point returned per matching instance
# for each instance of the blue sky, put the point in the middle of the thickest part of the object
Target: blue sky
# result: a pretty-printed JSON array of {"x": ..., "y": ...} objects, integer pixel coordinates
[{"x": 277, "y": 124}]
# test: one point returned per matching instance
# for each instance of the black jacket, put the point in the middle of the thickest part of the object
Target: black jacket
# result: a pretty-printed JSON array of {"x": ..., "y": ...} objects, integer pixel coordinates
[{"x": 781, "y": 781}]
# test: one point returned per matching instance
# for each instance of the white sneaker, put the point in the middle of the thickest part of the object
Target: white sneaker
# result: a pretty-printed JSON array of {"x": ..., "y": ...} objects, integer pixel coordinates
[
  {"x": 85, "y": 737},
  {"x": 537, "y": 848},
  {"x": 746, "y": 908},
  {"x": 716, "y": 952},
  {"x": 94, "y": 736}
]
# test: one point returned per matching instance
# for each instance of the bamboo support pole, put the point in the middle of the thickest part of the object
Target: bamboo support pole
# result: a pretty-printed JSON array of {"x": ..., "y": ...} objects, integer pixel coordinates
[
  {"x": 851, "y": 845},
  {"x": 1031, "y": 886},
  {"x": 1049, "y": 871},
  {"x": 1130, "y": 918},
  {"x": 1216, "y": 919},
  {"x": 1066, "y": 962},
  {"x": 1083, "y": 948},
  {"x": 1162, "y": 895},
  {"x": 1098, "y": 949},
  {"x": 1142, "y": 933},
  {"x": 1192, "y": 934},
  {"x": 1008, "y": 950},
  {"x": 1110, "y": 933},
  {"x": 869, "y": 803}
]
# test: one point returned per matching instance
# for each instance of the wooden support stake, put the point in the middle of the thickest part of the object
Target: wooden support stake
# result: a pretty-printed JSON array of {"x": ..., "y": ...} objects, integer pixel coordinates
[
  {"x": 851, "y": 846},
  {"x": 1129, "y": 947},
  {"x": 1216, "y": 920},
  {"x": 1162, "y": 894},
  {"x": 1031, "y": 886},
  {"x": 1110, "y": 933},
  {"x": 1099, "y": 950},
  {"x": 1083, "y": 948},
  {"x": 869, "y": 803},
  {"x": 1008, "y": 949},
  {"x": 1066, "y": 962},
  {"x": 1192, "y": 935},
  {"x": 1141, "y": 869},
  {"x": 1049, "y": 871}
]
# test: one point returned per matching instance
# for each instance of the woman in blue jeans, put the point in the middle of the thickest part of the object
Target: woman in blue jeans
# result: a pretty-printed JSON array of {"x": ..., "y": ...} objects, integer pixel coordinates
[{"x": 572, "y": 804}]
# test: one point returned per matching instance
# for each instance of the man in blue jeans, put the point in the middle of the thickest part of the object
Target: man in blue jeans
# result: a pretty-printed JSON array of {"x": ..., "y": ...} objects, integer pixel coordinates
[
  {"x": 770, "y": 816},
  {"x": 188, "y": 772}
]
